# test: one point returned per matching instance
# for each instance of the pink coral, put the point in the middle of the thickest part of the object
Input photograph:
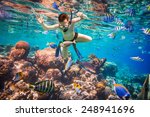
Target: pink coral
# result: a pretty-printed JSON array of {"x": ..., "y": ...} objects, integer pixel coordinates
[{"x": 20, "y": 51}]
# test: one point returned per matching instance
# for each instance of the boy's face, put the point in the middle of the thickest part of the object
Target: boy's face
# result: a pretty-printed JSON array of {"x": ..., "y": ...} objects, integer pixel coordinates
[{"x": 64, "y": 23}]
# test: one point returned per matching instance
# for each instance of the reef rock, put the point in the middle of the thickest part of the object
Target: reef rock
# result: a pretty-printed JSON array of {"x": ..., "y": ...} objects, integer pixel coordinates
[
  {"x": 5, "y": 66},
  {"x": 5, "y": 71},
  {"x": 46, "y": 59},
  {"x": 20, "y": 51},
  {"x": 29, "y": 72},
  {"x": 73, "y": 71},
  {"x": 53, "y": 74}
]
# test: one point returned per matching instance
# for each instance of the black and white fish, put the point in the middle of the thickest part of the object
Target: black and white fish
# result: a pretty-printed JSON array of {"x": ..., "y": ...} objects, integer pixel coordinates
[{"x": 46, "y": 86}]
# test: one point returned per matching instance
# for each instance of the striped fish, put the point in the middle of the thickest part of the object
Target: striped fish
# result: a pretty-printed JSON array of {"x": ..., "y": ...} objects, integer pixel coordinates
[
  {"x": 46, "y": 86},
  {"x": 108, "y": 17},
  {"x": 145, "y": 91},
  {"x": 146, "y": 31},
  {"x": 118, "y": 28},
  {"x": 119, "y": 22}
]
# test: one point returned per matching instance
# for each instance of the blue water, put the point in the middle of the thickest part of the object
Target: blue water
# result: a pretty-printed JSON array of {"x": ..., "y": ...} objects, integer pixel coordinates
[{"x": 16, "y": 25}]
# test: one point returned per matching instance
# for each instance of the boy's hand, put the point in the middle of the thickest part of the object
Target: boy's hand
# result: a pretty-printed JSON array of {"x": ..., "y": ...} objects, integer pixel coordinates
[
  {"x": 83, "y": 16},
  {"x": 40, "y": 19},
  {"x": 79, "y": 14},
  {"x": 66, "y": 43}
]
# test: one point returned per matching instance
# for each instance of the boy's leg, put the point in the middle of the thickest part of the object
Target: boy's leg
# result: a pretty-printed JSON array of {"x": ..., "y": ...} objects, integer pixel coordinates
[
  {"x": 64, "y": 51},
  {"x": 83, "y": 38}
]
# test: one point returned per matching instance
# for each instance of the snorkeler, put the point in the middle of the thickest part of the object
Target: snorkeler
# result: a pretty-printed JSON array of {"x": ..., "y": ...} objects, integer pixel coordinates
[{"x": 66, "y": 26}]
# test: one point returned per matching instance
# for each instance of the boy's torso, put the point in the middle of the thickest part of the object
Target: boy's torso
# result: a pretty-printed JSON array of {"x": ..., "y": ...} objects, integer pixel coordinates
[{"x": 69, "y": 34}]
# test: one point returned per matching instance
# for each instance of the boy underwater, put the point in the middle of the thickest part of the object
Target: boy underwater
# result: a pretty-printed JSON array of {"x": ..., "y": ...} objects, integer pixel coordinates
[{"x": 66, "y": 26}]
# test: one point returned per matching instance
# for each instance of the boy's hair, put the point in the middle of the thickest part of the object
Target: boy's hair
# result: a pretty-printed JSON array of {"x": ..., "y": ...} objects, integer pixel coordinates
[{"x": 62, "y": 17}]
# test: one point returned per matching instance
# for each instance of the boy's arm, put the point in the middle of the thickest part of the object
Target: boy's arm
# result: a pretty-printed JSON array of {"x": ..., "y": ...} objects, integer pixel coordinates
[
  {"x": 45, "y": 26},
  {"x": 74, "y": 20},
  {"x": 51, "y": 27},
  {"x": 80, "y": 17}
]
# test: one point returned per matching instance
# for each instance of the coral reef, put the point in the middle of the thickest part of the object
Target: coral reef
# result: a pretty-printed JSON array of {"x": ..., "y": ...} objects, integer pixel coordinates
[
  {"x": 20, "y": 51},
  {"x": 5, "y": 70},
  {"x": 109, "y": 69},
  {"x": 77, "y": 83},
  {"x": 46, "y": 59}
]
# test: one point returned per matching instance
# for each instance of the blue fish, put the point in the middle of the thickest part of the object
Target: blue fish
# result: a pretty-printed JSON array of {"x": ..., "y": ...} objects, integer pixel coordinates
[
  {"x": 121, "y": 91},
  {"x": 55, "y": 6},
  {"x": 130, "y": 12},
  {"x": 108, "y": 17},
  {"x": 129, "y": 26},
  {"x": 52, "y": 45}
]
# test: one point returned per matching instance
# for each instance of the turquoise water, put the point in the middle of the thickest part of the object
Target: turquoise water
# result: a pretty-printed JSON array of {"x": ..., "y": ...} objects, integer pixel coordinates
[{"x": 16, "y": 25}]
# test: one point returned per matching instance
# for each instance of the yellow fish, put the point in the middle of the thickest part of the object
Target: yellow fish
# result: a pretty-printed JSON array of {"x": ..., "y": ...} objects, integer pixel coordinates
[{"x": 77, "y": 87}]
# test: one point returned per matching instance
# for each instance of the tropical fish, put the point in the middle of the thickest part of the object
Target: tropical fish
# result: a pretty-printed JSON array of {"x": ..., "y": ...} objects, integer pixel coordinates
[
  {"x": 121, "y": 91},
  {"x": 118, "y": 28},
  {"x": 129, "y": 25},
  {"x": 18, "y": 76},
  {"x": 145, "y": 92},
  {"x": 77, "y": 88},
  {"x": 68, "y": 64},
  {"x": 130, "y": 12},
  {"x": 119, "y": 22},
  {"x": 148, "y": 7},
  {"x": 45, "y": 32},
  {"x": 51, "y": 45},
  {"x": 46, "y": 86},
  {"x": 55, "y": 6},
  {"x": 140, "y": 47},
  {"x": 37, "y": 31},
  {"x": 137, "y": 58},
  {"x": 112, "y": 35},
  {"x": 108, "y": 17},
  {"x": 123, "y": 37},
  {"x": 146, "y": 31}
]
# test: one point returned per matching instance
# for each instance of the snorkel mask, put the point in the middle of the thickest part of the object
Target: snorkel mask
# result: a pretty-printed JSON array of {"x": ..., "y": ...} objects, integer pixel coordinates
[{"x": 65, "y": 28}]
